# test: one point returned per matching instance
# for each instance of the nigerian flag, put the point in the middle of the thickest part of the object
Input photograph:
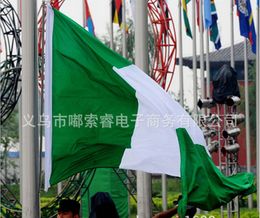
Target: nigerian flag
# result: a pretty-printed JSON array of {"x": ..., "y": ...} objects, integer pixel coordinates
[{"x": 105, "y": 112}]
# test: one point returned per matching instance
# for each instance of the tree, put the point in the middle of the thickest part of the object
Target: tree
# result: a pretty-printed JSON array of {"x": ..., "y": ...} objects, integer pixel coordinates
[{"x": 9, "y": 136}]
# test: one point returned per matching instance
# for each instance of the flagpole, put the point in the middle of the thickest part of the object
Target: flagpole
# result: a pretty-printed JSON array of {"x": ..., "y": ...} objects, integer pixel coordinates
[
  {"x": 141, "y": 60},
  {"x": 124, "y": 52},
  {"x": 30, "y": 189},
  {"x": 207, "y": 65},
  {"x": 248, "y": 150},
  {"x": 180, "y": 54},
  {"x": 232, "y": 59},
  {"x": 111, "y": 27},
  {"x": 19, "y": 12},
  {"x": 201, "y": 52},
  {"x": 258, "y": 107},
  {"x": 84, "y": 14},
  {"x": 194, "y": 59}
]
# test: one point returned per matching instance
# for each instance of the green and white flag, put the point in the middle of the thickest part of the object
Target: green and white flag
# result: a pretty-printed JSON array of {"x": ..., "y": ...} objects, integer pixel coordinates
[{"x": 105, "y": 112}]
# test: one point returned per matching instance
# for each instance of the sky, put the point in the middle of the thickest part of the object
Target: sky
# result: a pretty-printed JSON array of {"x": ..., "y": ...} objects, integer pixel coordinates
[{"x": 100, "y": 11}]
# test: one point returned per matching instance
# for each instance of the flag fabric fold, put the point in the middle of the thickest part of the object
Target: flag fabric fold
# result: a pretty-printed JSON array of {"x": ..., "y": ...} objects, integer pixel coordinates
[
  {"x": 185, "y": 17},
  {"x": 246, "y": 22},
  {"x": 105, "y": 112},
  {"x": 214, "y": 32},
  {"x": 89, "y": 22},
  {"x": 202, "y": 183}
]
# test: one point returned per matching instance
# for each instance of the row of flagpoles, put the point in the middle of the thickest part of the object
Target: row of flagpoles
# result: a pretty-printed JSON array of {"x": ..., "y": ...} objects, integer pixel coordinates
[{"x": 247, "y": 30}]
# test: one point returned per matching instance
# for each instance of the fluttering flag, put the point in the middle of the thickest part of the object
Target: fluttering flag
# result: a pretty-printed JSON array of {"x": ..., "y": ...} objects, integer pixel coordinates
[
  {"x": 106, "y": 112},
  {"x": 185, "y": 17},
  {"x": 202, "y": 183},
  {"x": 246, "y": 22},
  {"x": 89, "y": 22},
  {"x": 56, "y": 4},
  {"x": 207, "y": 14},
  {"x": 214, "y": 32},
  {"x": 117, "y": 12},
  {"x": 198, "y": 15}
]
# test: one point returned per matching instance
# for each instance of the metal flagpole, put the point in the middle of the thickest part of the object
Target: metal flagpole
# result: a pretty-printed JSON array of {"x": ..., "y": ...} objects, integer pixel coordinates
[
  {"x": 201, "y": 52},
  {"x": 84, "y": 14},
  {"x": 124, "y": 29},
  {"x": 141, "y": 60},
  {"x": 207, "y": 65},
  {"x": 180, "y": 54},
  {"x": 258, "y": 108},
  {"x": 194, "y": 59},
  {"x": 30, "y": 196},
  {"x": 232, "y": 58},
  {"x": 19, "y": 8},
  {"x": 111, "y": 27},
  {"x": 248, "y": 150}
]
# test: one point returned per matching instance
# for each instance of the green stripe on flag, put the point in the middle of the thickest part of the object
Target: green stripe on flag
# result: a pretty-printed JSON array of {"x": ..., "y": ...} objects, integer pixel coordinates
[
  {"x": 203, "y": 184},
  {"x": 84, "y": 90}
]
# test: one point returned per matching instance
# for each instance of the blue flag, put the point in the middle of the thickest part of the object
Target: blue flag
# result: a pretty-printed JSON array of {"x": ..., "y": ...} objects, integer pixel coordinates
[
  {"x": 246, "y": 22},
  {"x": 214, "y": 33},
  {"x": 207, "y": 14}
]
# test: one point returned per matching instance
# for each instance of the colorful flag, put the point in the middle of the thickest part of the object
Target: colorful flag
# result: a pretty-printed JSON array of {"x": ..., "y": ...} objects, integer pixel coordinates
[
  {"x": 117, "y": 12},
  {"x": 56, "y": 4},
  {"x": 246, "y": 22},
  {"x": 105, "y": 112},
  {"x": 185, "y": 17},
  {"x": 89, "y": 23},
  {"x": 198, "y": 15},
  {"x": 214, "y": 33},
  {"x": 207, "y": 14}
]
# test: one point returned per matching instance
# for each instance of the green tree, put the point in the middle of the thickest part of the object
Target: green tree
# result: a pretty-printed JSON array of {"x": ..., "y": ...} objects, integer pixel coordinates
[{"x": 9, "y": 136}]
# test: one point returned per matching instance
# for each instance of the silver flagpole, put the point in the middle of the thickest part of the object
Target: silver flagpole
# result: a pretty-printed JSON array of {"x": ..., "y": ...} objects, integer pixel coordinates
[
  {"x": 111, "y": 27},
  {"x": 180, "y": 54},
  {"x": 248, "y": 149},
  {"x": 201, "y": 52},
  {"x": 124, "y": 53},
  {"x": 207, "y": 65},
  {"x": 232, "y": 58},
  {"x": 30, "y": 189},
  {"x": 141, "y": 60},
  {"x": 19, "y": 10},
  {"x": 258, "y": 109},
  {"x": 194, "y": 59}
]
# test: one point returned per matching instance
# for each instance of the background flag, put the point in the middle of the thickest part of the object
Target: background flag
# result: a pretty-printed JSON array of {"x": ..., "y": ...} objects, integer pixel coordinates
[
  {"x": 56, "y": 4},
  {"x": 207, "y": 14},
  {"x": 89, "y": 22},
  {"x": 117, "y": 12},
  {"x": 246, "y": 22},
  {"x": 186, "y": 19},
  {"x": 214, "y": 32},
  {"x": 101, "y": 105},
  {"x": 198, "y": 14}
]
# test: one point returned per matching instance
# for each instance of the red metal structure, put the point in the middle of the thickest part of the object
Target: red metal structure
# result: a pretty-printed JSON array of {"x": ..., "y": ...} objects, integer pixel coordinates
[{"x": 164, "y": 60}]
